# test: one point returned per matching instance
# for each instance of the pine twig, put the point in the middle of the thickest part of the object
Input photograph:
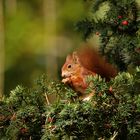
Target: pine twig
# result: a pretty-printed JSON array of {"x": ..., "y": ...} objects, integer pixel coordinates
[
  {"x": 114, "y": 136},
  {"x": 47, "y": 99}
]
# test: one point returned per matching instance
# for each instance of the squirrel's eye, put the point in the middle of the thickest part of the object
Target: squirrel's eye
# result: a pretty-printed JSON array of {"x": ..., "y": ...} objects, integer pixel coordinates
[{"x": 69, "y": 66}]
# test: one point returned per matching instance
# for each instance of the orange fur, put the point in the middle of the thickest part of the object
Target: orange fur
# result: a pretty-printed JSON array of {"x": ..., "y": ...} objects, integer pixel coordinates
[{"x": 93, "y": 61}]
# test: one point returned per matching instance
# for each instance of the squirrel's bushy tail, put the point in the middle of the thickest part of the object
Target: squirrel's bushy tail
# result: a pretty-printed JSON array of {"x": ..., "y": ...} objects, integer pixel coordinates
[{"x": 93, "y": 61}]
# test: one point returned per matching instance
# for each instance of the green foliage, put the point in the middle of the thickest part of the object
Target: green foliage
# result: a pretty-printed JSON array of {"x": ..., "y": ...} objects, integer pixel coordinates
[
  {"x": 113, "y": 111},
  {"x": 23, "y": 112},
  {"x": 26, "y": 107},
  {"x": 110, "y": 110},
  {"x": 70, "y": 121},
  {"x": 118, "y": 30}
]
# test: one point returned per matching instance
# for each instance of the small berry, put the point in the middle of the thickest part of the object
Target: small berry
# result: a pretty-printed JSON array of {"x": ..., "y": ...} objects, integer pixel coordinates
[
  {"x": 125, "y": 22},
  {"x": 23, "y": 130},
  {"x": 119, "y": 17},
  {"x": 110, "y": 89},
  {"x": 50, "y": 119}
]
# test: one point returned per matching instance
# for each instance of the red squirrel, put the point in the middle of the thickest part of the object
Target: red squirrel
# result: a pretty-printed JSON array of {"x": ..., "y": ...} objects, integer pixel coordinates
[{"x": 84, "y": 62}]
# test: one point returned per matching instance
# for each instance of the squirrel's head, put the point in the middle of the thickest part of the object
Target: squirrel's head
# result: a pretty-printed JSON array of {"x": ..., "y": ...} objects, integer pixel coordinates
[{"x": 71, "y": 65}]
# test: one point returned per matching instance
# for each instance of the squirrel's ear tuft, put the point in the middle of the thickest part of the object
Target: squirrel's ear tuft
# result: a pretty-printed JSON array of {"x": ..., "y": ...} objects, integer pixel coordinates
[
  {"x": 75, "y": 57},
  {"x": 69, "y": 57}
]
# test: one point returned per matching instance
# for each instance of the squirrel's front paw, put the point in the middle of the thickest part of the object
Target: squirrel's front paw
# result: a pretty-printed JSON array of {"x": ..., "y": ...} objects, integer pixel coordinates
[{"x": 66, "y": 80}]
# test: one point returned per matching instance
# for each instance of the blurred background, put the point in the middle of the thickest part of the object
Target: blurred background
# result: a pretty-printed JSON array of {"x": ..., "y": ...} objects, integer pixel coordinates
[{"x": 35, "y": 37}]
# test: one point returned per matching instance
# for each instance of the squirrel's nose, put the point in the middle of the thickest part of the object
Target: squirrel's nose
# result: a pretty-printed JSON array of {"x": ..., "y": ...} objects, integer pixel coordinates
[{"x": 65, "y": 74}]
